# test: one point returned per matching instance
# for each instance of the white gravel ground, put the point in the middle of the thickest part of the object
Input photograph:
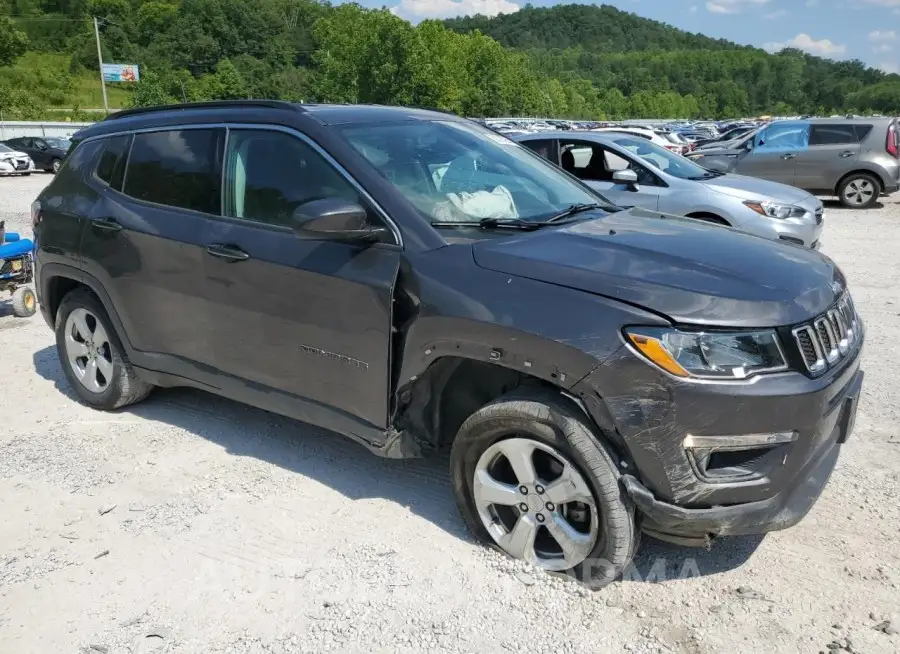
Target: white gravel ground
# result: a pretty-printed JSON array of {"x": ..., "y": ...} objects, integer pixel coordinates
[{"x": 192, "y": 524}]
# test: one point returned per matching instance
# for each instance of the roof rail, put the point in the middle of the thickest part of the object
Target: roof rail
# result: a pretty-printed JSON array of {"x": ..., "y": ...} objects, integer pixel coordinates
[{"x": 215, "y": 104}]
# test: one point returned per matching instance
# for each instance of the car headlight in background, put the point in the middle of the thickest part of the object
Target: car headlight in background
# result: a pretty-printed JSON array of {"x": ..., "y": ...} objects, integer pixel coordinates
[
  {"x": 775, "y": 209},
  {"x": 709, "y": 355}
]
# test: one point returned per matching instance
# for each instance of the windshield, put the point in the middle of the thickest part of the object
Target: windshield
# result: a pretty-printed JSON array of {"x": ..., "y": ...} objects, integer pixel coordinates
[
  {"x": 62, "y": 144},
  {"x": 668, "y": 162},
  {"x": 460, "y": 172},
  {"x": 5, "y": 148}
]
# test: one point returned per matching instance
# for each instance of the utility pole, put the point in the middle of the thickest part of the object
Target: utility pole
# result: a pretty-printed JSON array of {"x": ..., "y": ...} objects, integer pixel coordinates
[{"x": 100, "y": 61}]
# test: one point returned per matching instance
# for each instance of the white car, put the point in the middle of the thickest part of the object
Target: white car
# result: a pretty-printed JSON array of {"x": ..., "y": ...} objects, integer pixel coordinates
[
  {"x": 13, "y": 162},
  {"x": 649, "y": 134}
]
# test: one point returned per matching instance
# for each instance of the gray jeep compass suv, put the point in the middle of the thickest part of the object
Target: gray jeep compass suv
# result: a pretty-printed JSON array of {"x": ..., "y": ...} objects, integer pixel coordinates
[{"x": 412, "y": 280}]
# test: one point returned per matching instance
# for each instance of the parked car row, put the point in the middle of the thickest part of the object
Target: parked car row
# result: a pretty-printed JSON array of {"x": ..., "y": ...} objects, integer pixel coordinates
[
  {"x": 633, "y": 171},
  {"x": 855, "y": 159},
  {"x": 417, "y": 282},
  {"x": 31, "y": 153}
]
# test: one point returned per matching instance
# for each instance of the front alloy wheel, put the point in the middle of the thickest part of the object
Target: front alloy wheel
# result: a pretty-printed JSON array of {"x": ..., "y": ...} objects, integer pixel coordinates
[
  {"x": 533, "y": 479},
  {"x": 535, "y": 504}
]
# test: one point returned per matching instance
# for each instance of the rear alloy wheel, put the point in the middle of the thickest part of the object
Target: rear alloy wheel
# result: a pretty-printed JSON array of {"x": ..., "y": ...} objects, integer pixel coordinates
[
  {"x": 533, "y": 480},
  {"x": 92, "y": 356},
  {"x": 56, "y": 164},
  {"x": 859, "y": 191}
]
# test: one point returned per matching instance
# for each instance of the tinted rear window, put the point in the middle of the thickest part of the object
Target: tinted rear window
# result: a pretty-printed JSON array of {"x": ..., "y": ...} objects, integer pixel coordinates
[
  {"x": 178, "y": 168},
  {"x": 833, "y": 135},
  {"x": 111, "y": 164}
]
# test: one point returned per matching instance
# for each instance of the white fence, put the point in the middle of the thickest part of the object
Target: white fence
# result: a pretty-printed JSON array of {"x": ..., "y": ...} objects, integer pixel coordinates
[{"x": 12, "y": 129}]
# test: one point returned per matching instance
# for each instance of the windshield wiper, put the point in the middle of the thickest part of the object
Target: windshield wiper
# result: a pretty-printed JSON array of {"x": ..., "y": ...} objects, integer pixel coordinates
[
  {"x": 528, "y": 225},
  {"x": 490, "y": 223},
  {"x": 710, "y": 174},
  {"x": 575, "y": 209}
]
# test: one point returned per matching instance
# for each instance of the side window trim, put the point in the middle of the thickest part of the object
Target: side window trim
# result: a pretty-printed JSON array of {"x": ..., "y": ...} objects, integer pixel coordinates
[
  {"x": 343, "y": 172},
  {"x": 395, "y": 229}
]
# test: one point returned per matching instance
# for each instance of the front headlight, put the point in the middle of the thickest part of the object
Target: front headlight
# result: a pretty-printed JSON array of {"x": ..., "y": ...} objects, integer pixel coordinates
[
  {"x": 775, "y": 210},
  {"x": 709, "y": 355}
]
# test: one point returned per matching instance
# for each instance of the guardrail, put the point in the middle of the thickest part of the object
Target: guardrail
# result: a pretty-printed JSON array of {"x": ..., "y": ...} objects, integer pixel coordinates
[{"x": 11, "y": 129}]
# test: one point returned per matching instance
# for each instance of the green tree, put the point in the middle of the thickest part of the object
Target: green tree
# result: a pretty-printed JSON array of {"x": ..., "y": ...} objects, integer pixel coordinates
[
  {"x": 12, "y": 42},
  {"x": 150, "y": 91}
]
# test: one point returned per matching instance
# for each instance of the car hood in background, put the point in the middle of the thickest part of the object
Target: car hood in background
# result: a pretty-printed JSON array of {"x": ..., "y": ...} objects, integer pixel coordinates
[
  {"x": 753, "y": 188},
  {"x": 13, "y": 155},
  {"x": 689, "y": 271}
]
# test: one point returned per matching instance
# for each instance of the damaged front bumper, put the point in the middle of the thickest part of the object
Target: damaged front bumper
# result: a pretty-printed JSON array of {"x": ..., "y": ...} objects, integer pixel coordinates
[{"x": 688, "y": 496}]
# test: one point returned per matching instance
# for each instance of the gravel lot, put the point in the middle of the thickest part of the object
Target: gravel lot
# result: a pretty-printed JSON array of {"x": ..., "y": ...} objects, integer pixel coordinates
[{"x": 192, "y": 524}]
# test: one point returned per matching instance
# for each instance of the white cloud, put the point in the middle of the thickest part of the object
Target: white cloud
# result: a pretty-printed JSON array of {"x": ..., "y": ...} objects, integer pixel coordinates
[
  {"x": 808, "y": 44},
  {"x": 775, "y": 15},
  {"x": 694, "y": 9},
  {"x": 733, "y": 6},
  {"x": 416, "y": 10},
  {"x": 881, "y": 3},
  {"x": 882, "y": 48},
  {"x": 812, "y": 3},
  {"x": 880, "y": 36},
  {"x": 890, "y": 67}
]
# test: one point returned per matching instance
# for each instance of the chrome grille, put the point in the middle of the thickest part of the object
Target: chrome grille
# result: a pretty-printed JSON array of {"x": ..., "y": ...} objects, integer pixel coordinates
[{"x": 828, "y": 338}]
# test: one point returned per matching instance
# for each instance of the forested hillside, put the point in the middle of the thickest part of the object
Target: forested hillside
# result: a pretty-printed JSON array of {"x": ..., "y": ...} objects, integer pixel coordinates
[{"x": 578, "y": 61}]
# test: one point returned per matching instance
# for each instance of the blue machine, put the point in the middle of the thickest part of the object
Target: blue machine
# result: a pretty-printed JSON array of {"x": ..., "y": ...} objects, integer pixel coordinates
[{"x": 17, "y": 271}]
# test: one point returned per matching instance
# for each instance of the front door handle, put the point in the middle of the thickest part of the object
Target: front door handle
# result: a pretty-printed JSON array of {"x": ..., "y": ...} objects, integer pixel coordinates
[
  {"x": 789, "y": 155},
  {"x": 844, "y": 155},
  {"x": 227, "y": 252},
  {"x": 106, "y": 224}
]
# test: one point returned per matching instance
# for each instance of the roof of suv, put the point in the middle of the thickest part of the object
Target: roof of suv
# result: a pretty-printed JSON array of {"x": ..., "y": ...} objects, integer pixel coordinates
[{"x": 325, "y": 114}]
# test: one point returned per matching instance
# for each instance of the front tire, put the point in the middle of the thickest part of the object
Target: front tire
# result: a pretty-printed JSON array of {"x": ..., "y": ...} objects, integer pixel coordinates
[
  {"x": 532, "y": 480},
  {"x": 54, "y": 167},
  {"x": 859, "y": 191},
  {"x": 92, "y": 357},
  {"x": 24, "y": 302}
]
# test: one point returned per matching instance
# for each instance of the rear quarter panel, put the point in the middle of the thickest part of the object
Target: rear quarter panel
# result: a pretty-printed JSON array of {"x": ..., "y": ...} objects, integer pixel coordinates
[{"x": 66, "y": 205}]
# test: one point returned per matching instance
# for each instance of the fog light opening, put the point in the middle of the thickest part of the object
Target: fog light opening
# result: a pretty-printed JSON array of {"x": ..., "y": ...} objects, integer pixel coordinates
[{"x": 740, "y": 458}]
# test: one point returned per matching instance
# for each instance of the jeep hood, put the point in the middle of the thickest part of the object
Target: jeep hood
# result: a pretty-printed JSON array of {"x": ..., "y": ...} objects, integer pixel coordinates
[{"x": 688, "y": 271}]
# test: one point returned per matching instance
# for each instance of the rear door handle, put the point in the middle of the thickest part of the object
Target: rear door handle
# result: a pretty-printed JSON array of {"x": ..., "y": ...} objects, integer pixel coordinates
[
  {"x": 789, "y": 156},
  {"x": 106, "y": 224},
  {"x": 844, "y": 155},
  {"x": 228, "y": 252}
]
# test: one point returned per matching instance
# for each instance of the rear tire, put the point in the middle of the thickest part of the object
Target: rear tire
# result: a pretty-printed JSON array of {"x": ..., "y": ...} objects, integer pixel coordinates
[
  {"x": 92, "y": 357},
  {"x": 859, "y": 191},
  {"x": 551, "y": 433},
  {"x": 24, "y": 302},
  {"x": 54, "y": 167}
]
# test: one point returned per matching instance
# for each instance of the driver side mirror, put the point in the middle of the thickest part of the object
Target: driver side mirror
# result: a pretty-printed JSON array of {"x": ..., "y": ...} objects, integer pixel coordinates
[
  {"x": 627, "y": 177},
  {"x": 335, "y": 219}
]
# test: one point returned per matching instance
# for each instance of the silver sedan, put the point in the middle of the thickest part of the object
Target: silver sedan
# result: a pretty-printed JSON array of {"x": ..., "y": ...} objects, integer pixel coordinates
[{"x": 632, "y": 171}]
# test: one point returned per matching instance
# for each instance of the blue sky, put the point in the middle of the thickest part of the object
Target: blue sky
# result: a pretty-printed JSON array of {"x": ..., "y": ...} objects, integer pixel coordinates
[{"x": 840, "y": 29}]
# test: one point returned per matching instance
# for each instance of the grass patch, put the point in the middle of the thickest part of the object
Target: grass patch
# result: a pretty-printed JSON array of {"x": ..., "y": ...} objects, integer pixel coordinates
[{"x": 48, "y": 79}]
